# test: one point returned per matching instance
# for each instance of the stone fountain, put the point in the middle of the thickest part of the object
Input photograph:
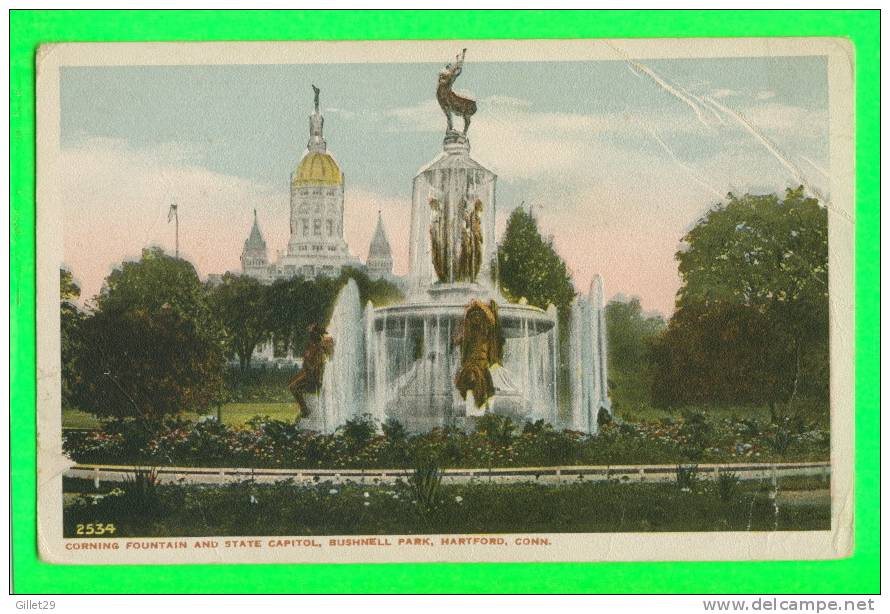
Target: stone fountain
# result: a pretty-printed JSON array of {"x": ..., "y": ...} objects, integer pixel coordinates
[{"x": 412, "y": 353}]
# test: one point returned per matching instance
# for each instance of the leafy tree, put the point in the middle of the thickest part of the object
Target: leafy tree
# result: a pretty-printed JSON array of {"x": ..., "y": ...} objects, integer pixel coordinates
[
  {"x": 631, "y": 333},
  {"x": 159, "y": 280},
  {"x": 751, "y": 323},
  {"x": 295, "y": 304},
  {"x": 379, "y": 291},
  {"x": 151, "y": 348},
  {"x": 240, "y": 304},
  {"x": 529, "y": 267},
  {"x": 71, "y": 317}
]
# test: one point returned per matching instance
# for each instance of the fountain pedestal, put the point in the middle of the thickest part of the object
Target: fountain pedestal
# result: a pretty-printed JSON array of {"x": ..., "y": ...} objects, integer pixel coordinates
[{"x": 412, "y": 357}]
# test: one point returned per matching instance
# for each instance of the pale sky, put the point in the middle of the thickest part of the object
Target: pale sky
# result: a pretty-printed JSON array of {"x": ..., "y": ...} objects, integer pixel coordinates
[{"x": 619, "y": 160}]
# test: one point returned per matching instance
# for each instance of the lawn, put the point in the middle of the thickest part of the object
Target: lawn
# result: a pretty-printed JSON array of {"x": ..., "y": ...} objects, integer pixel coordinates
[
  {"x": 645, "y": 412},
  {"x": 285, "y": 508},
  {"x": 233, "y": 414}
]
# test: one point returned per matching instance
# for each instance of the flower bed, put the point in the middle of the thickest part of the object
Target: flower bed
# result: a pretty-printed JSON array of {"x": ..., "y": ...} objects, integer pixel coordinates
[{"x": 496, "y": 442}]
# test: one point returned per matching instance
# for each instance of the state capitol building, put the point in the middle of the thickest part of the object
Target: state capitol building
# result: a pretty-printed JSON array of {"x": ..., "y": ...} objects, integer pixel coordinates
[{"x": 316, "y": 246}]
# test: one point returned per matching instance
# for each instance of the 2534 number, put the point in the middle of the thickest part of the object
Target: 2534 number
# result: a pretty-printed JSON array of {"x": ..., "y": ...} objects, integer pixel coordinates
[{"x": 95, "y": 529}]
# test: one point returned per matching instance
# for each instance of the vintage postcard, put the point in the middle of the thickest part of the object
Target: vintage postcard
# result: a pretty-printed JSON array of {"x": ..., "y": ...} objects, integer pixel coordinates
[{"x": 564, "y": 300}]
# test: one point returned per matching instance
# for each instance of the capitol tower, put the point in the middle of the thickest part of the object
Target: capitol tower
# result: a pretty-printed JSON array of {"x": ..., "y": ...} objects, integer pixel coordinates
[{"x": 316, "y": 245}]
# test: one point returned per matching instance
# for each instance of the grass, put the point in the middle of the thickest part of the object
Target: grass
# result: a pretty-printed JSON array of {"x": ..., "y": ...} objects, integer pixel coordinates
[
  {"x": 284, "y": 508},
  {"x": 233, "y": 414},
  {"x": 236, "y": 414},
  {"x": 647, "y": 413}
]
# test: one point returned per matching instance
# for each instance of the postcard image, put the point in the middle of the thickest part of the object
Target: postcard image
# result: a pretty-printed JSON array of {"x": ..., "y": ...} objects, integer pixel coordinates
[{"x": 566, "y": 300}]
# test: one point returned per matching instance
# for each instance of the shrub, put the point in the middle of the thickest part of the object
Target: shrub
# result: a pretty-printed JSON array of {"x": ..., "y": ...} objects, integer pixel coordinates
[
  {"x": 696, "y": 432},
  {"x": 687, "y": 476},
  {"x": 497, "y": 430},
  {"x": 141, "y": 492},
  {"x": 781, "y": 436},
  {"x": 425, "y": 483},
  {"x": 396, "y": 450},
  {"x": 358, "y": 432},
  {"x": 727, "y": 486}
]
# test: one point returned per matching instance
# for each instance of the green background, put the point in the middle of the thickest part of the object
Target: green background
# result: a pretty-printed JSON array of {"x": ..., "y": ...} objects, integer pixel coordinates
[{"x": 857, "y": 574}]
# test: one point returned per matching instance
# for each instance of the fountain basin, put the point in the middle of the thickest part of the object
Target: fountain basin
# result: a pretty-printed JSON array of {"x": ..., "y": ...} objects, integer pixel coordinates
[
  {"x": 413, "y": 358},
  {"x": 516, "y": 320}
]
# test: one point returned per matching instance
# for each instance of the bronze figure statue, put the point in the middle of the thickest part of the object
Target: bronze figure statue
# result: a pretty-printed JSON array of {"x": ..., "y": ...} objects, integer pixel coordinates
[
  {"x": 448, "y": 100},
  {"x": 470, "y": 259},
  {"x": 481, "y": 346},
  {"x": 309, "y": 378},
  {"x": 439, "y": 239}
]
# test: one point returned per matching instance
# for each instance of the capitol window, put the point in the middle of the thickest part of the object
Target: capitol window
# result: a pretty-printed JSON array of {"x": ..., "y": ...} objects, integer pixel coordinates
[
  {"x": 305, "y": 226},
  {"x": 330, "y": 227},
  {"x": 316, "y": 227}
]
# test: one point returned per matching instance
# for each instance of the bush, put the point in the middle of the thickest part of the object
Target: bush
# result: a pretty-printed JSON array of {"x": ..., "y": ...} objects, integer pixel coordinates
[
  {"x": 359, "y": 432},
  {"x": 727, "y": 486},
  {"x": 425, "y": 483},
  {"x": 696, "y": 433},
  {"x": 497, "y": 442},
  {"x": 687, "y": 476},
  {"x": 496, "y": 430}
]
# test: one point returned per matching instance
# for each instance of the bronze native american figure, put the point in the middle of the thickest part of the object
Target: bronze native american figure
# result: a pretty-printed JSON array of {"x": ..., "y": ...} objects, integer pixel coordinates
[
  {"x": 481, "y": 345},
  {"x": 448, "y": 100},
  {"x": 308, "y": 380}
]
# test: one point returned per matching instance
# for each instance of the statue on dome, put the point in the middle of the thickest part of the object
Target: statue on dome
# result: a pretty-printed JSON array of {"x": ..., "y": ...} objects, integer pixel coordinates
[
  {"x": 481, "y": 344},
  {"x": 448, "y": 100},
  {"x": 470, "y": 259},
  {"x": 316, "y": 127}
]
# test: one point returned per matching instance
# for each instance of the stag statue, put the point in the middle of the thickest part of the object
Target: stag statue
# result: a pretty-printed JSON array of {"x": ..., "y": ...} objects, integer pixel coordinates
[{"x": 448, "y": 100}]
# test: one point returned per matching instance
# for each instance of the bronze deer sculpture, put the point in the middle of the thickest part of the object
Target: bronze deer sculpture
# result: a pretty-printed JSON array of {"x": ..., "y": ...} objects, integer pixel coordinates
[{"x": 448, "y": 100}]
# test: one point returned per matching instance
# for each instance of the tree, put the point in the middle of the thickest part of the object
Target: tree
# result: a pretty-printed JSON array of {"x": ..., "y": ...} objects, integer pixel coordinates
[
  {"x": 530, "y": 268},
  {"x": 631, "y": 333},
  {"x": 159, "y": 280},
  {"x": 240, "y": 304},
  {"x": 297, "y": 303},
  {"x": 70, "y": 320},
  {"x": 151, "y": 348},
  {"x": 751, "y": 322},
  {"x": 379, "y": 291}
]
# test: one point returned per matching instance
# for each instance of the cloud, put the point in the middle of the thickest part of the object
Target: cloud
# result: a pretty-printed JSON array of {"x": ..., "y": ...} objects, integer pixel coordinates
[
  {"x": 635, "y": 181},
  {"x": 116, "y": 199},
  {"x": 617, "y": 190},
  {"x": 765, "y": 95},
  {"x": 724, "y": 93}
]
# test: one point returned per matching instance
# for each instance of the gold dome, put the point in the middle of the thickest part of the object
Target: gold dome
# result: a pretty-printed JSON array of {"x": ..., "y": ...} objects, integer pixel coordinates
[{"x": 318, "y": 168}]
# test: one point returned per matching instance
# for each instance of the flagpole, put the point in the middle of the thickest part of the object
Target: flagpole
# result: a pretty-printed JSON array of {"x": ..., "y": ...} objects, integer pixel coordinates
[{"x": 174, "y": 212}]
